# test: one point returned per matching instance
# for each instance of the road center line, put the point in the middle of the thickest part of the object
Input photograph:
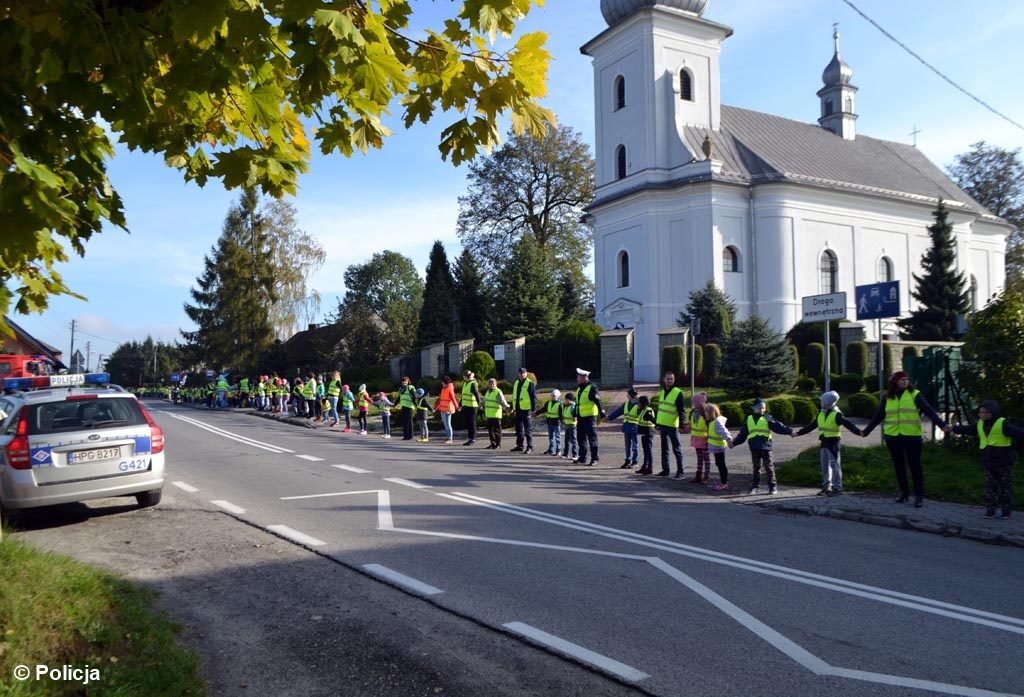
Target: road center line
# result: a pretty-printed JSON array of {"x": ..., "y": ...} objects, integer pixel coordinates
[
  {"x": 295, "y": 535},
  {"x": 231, "y": 436},
  {"x": 229, "y": 507},
  {"x": 185, "y": 487},
  {"x": 406, "y": 482},
  {"x": 400, "y": 579},
  {"x": 608, "y": 665},
  {"x": 311, "y": 458},
  {"x": 350, "y": 468}
]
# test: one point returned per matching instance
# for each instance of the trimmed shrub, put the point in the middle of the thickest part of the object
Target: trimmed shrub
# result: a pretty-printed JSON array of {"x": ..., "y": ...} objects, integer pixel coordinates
[
  {"x": 911, "y": 352},
  {"x": 432, "y": 386},
  {"x": 698, "y": 359},
  {"x": 804, "y": 410},
  {"x": 733, "y": 413},
  {"x": 862, "y": 404},
  {"x": 794, "y": 355},
  {"x": 673, "y": 359},
  {"x": 781, "y": 408},
  {"x": 712, "y": 363},
  {"x": 506, "y": 387},
  {"x": 887, "y": 364},
  {"x": 482, "y": 365},
  {"x": 833, "y": 358},
  {"x": 814, "y": 359},
  {"x": 849, "y": 383},
  {"x": 871, "y": 383},
  {"x": 857, "y": 358},
  {"x": 806, "y": 384}
]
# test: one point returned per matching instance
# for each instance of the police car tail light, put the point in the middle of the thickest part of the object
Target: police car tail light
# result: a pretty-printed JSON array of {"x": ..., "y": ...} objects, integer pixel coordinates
[
  {"x": 156, "y": 434},
  {"x": 18, "y": 450}
]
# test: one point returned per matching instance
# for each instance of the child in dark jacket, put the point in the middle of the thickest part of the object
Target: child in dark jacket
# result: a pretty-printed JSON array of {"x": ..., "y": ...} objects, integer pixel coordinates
[
  {"x": 645, "y": 427},
  {"x": 995, "y": 434},
  {"x": 829, "y": 423},
  {"x": 757, "y": 431}
]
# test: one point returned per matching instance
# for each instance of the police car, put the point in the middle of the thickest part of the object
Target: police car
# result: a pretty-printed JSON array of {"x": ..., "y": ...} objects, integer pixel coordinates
[{"x": 68, "y": 438}]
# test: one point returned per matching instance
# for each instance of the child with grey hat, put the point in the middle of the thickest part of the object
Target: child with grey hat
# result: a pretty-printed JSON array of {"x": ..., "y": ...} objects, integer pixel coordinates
[
  {"x": 757, "y": 431},
  {"x": 829, "y": 423},
  {"x": 422, "y": 407}
]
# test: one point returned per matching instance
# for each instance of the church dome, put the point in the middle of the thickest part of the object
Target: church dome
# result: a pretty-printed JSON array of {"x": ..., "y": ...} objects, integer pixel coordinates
[
  {"x": 837, "y": 72},
  {"x": 615, "y": 11}
]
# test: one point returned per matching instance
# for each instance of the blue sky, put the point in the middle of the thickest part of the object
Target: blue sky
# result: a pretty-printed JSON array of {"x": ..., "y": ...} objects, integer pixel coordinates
[{"x": 404, "y": 197}]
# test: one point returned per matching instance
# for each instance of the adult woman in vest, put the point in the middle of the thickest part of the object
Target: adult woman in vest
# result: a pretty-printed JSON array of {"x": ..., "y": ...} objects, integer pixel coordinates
[
  {"x": 407, "y": 402},
  {"x": 469, "y": 400},
  {"x": 446, "y": 406},
  {"x": 494, "y": 403},
  {"x": 901, "y": 410}
]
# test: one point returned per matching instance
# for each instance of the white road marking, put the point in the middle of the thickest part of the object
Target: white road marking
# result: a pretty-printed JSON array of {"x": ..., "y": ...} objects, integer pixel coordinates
[
  {"x": 406, "y": 482},
  {"x": 311, "y": 458},
  {"x": 229, "y": 507},
  {"x": 608, "y": 665},
  {"x": 232, "y": 436},
  {"x": 384, "y": 521},
  {"x": 185, "y": 487},
  {"x": 350, "y": 468},
  {"x": 883, "y": 595},
  {"x": 295, "y": 535},
  {"x": 400, "y": 579}
]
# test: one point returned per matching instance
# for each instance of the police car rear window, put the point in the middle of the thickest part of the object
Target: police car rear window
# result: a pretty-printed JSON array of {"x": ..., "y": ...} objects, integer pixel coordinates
[{"x": 83, "y": 415}]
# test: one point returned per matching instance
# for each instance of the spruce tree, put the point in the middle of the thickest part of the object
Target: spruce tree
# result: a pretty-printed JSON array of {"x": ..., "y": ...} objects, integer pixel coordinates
[
  {"x": 471, "y": 299},
  {"x": 527, "y": 295},
  {"x": 757, "y": 359},
  {"x": 437, "y": 314},
  {"x": 941, "y": 290},
  {"x": 716, "y": 311}
]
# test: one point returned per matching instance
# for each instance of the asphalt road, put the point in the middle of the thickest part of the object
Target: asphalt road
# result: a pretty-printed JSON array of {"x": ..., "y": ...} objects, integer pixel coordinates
[{"x": 673, "y": 593}]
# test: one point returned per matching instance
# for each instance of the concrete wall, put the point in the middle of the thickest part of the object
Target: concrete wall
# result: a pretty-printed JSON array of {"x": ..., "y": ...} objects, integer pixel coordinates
[
  {"x": 458, "y": 352},
  {"x": 515, "y": 354},
  {"x": 432, "y": 361},
  {"x": 617, "y": 358}
]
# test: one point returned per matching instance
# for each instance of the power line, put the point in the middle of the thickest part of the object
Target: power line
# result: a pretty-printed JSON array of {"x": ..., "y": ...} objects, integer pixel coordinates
[
  {"x": 101, "y": 338},
  {"x": 932, "y": 67}
]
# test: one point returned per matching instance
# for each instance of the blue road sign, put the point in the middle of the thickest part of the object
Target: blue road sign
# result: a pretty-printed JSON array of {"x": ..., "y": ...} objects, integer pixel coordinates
[
  {"x": 175, "y": 377},
  {"x": 878, "y": 300}
]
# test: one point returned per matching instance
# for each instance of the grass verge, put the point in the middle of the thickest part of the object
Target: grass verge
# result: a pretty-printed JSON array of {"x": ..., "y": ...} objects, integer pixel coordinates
[
  {"x": 58, "y": 612},
  {"x": 951, "y": 473}
]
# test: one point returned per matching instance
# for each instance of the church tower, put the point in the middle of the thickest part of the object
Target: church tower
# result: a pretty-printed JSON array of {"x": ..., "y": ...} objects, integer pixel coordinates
[
  {"x": 837, "y": 96},
  {"x": 656, "y": 69}
]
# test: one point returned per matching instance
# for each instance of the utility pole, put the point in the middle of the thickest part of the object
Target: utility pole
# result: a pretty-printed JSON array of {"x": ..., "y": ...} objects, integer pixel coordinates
[
  {"x": 71, "y": 354},
  {"x": 88, "y": 355}
]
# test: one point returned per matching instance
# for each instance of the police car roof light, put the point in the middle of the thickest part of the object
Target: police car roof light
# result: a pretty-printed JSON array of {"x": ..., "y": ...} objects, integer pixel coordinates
[{"x": 40, "y": 381}]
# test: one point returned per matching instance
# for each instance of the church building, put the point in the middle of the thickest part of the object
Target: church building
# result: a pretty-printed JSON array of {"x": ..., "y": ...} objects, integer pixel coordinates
[{"x": 770, "y": 209}]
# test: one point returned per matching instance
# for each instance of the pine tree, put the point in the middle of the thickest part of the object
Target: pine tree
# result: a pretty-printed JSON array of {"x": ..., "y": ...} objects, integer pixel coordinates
[
  {"x": 941, "y": 290},
  {"x": 527, "y": 295},
  {"x": 437, "y": 315},
  {"x": 757, "y": 359},
  {"x": 472, "y": 305},
  {"x": 716, "y": 311}
]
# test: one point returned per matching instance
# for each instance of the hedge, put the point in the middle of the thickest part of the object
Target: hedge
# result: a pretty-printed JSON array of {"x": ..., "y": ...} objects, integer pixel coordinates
[
  {"x": 862, "y": 404},
  {"x": 482, "y": 365},
  {"x": 806, "y": 384},
  {"x": 814, "y": 359},
  {"x": 857, "y": 358},
  {"x": 733, "y": 413},
  {"x": 781, "y": 408},
  {"x": 804, "y": 410},
  {"x": 833, "y": 358},
  {"x": 795, "y": 357},
  {"x": 712, "y": 363},
  {"x": 673, "y": 360},
  {"x": 849, "y": 383}
]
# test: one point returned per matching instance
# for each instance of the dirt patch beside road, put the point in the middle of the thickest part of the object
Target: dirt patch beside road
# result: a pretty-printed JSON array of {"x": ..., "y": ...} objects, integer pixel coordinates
[{"x": 271, "y": 618}]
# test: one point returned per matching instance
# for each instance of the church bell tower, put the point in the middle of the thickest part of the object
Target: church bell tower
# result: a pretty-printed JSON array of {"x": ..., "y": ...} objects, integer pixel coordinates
[{"x": 837, "y": 96}]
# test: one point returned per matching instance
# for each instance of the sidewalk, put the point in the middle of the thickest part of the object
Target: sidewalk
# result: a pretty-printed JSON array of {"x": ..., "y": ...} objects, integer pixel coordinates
[{"x": 936, "y": 517}]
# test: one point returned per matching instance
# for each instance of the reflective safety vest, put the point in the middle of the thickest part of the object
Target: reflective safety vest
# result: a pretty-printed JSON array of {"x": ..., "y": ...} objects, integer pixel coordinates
[
  {"x": 308, "y": 389},
  {"x": 406, "y": 396},
  {"x": 334, "y": 389},
  {"x": 423, "y": 406},
  {"x": 492, "y": 404},
  {"x": 222, "y": 385},
  {"x": 757, "y": 427},
  {"x": 585, "y": 406},
  {"x": 646, "y": 418},
  {"x": 346, "y": 401},
  {"x": 297, "y": 390},
  {"x": 713, "y": 437},
  {"x": 901, "y": 415},
  {"x": 243, "y": 385},
  {"x": 362, "y": 401},
  {"x": 552, "y": 409},
  {"x": 261, "y": 389},
  {"x": 569, "y": 415},
  {"x": 468, "y": 398},
  {"x": 384, "y": 408},
  {"x": 828, "y": 424},
  {"x": 522, "y": 388},
  {"x": 698, "y": 426},
  {"x": 668, "y": 415},
  {"x": 631, "y": 415},
  {"x": 995, "y": 437}
]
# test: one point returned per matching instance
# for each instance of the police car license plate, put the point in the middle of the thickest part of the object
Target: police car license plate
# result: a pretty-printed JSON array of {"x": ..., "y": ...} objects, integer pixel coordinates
[{"x": 95, "y": 455}]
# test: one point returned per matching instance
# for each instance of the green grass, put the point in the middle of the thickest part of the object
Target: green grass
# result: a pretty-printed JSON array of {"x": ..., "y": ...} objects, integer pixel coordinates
[
  {"x": 56, "y": 611},
  {"x": 951, "y": 473}
]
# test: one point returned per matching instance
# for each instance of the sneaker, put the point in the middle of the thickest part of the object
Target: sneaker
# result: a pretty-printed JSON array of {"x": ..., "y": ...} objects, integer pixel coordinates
[
  {"x": 772, "y": 491},
  {"x": 1006, "y": 514},
  {"x": 423, "y": 440},
  {"x": 528, "y": 451},
  {"x": 593, "y": 462},
  {"x": 990, "y": 513},
  {"x": 663, "y": 473},
  {"x": 679, "y": 475},
  {"x": 517, "y": 449},
  {"x": 363, "y": 433},
  {"x": 824, "y": 491},
  {"x": 754, "y": 490},
  {"x": 346, "y": 430},
  {"x": 449, "y": 441},
  {"x": 388, "y": 436},
  {"x": 720, "y": 487},
  {"x": 835, "y": 492},
  {"x": 575, "y": 461},
  {"x": 469, "y": 442}
]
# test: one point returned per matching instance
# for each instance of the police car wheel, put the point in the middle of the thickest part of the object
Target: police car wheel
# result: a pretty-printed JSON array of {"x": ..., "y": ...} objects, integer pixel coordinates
[{"x": 149, "y": 498}]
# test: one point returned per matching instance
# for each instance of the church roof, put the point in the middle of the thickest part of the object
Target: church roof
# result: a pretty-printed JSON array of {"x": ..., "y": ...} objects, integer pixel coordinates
[{"x": 757, "y": 148}]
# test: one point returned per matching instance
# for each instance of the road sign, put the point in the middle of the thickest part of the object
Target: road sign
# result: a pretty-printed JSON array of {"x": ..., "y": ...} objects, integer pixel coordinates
[
  {"x": 175, "y": 377},
  {"x": 878, "y": 300},
  {"x": 824, "y": 308},
  {"x": 209, "y": 373}
]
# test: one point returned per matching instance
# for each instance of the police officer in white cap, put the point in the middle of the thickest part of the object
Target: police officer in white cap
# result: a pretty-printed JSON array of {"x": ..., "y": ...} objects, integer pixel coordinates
[{"x": 588, "y": 407}]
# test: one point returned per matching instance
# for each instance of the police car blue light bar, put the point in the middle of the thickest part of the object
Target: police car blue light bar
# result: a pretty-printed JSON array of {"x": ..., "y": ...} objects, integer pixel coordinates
[{"x": 72, "y": 380}]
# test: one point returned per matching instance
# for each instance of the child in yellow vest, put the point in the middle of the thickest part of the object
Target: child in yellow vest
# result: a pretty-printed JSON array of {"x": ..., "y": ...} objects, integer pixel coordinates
[
  {"x": 718, "y": 438},
  {"x": 995, "y": 439},
  {"x": 830, "y": 422}
]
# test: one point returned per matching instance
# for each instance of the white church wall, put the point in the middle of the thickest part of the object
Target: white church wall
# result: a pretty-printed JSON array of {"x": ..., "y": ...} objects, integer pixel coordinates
[{"x": 625, "y": 126}]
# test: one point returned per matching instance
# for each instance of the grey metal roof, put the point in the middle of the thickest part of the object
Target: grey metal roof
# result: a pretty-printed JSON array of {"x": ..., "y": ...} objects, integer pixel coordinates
[{"x": 757, "y": 148}]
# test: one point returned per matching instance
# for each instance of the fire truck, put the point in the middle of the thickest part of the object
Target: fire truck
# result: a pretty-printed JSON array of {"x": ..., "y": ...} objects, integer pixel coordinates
[{"x": 19, "y": 365}]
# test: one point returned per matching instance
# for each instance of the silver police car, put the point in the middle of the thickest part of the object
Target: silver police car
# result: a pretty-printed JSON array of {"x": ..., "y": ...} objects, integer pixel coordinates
[{"x": 75, "y": 443}]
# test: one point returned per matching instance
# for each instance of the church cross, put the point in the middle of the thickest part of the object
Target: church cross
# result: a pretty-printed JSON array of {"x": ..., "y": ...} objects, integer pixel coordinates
[{"x": 914, "y": 134}]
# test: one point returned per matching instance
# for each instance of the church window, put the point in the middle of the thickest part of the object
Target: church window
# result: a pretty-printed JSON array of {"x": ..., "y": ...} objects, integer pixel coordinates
[
  {"x": 885, "y": 273},
  {"x": 620, "y": 92},
  {"x": 730, "y": 259},
  {"x": 623, "y": 269},
  {"x": 620, "y": 162},
  {"x": 685, "y": 85},
  {"x": 829, "y": 268},
  {"x": 828, "y": 107},
  {"x": 974, "y": 292}
]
